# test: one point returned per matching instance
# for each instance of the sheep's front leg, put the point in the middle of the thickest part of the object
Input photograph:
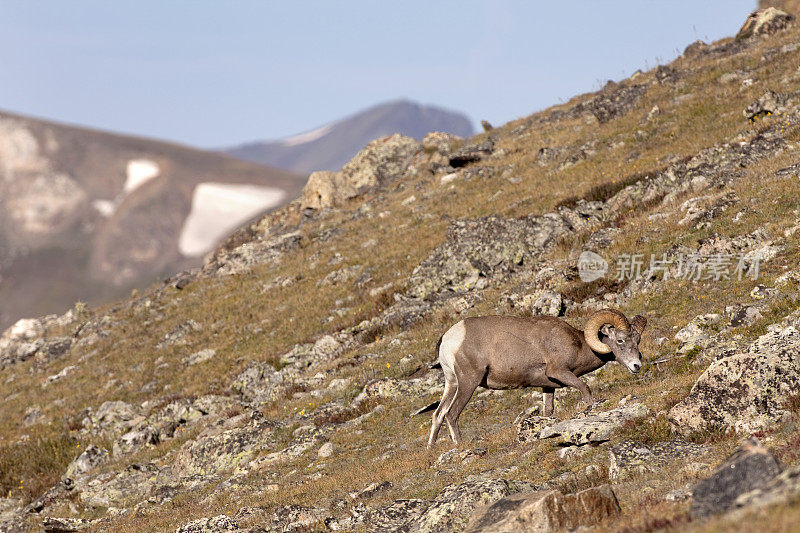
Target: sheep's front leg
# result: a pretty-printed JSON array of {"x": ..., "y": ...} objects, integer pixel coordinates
[
  {"x": 547, "y": 392},
  {"x": 571, "y": 380}
]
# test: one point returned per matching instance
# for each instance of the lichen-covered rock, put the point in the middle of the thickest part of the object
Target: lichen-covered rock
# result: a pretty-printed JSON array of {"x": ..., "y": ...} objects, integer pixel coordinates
[
  {"x": 545, "y": 511},
  {"x": 117, "y": 417},
  {"x": 92, "y": 457},
  {"x": 223, "y": 449},
  {"x": 630, "y": 457},
  {"x": 216, "y": 524},
  {"x": 178, "y": 335},
  {"x": 751, "y": 467},
  {"x": 581, "y": 430},
  {"x": 381, "y": 162},
  {"x": 135, "y": 439},
  {"x": 768, "y": 104},
  {"x": 782, "y": 488},
  {"x": 269, "y": 249},
  {"x": 408, "y": 388},
  {"x": 471, "y": 153},
  {"x": 479, "y": 250},
  {"x": 764, "y": 22},
  {"x": 453, "y": 506},
  {"x": 616, "y": 102},
  {"x": 746, "y": 391},
  {"x": 440, "y": 141}
]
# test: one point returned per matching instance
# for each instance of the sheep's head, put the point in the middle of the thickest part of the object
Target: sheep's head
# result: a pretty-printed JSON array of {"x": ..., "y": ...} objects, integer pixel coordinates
[{"x": 608, "y": 331}]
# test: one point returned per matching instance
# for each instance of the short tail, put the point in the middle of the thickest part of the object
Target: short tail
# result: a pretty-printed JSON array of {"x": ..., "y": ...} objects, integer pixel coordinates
[
  {"x": 434, "y": 405},
  {"x": 437, "y": 364}
]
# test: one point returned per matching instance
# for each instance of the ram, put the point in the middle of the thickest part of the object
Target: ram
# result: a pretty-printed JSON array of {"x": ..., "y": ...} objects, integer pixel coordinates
[{"x": 501, "y": 352}]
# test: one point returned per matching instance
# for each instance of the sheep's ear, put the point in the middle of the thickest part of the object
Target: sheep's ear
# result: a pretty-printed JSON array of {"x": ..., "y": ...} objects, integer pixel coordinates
[
  {"x": 638, "y": 323},
  {"x": 607, "y": 329}
]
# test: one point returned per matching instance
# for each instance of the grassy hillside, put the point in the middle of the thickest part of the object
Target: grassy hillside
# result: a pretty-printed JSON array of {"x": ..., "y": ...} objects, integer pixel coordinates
[{"x": 671, "y": 164}]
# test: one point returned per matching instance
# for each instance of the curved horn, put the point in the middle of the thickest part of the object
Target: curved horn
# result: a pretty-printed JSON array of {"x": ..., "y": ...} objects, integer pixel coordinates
[
  {"x": 638, "y": 323},
  {"x": 596, "y": 321}
]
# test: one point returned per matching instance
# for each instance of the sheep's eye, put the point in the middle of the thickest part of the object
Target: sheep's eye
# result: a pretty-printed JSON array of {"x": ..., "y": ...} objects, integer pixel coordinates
[{"x": 620, "y": 341}]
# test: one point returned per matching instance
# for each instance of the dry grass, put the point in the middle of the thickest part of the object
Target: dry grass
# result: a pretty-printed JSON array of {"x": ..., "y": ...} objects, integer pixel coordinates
[{"x": 243, "y": 321}]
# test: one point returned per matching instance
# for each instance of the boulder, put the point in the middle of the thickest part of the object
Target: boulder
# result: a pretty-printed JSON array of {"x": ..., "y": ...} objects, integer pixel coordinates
[
  {"x": 92, "y": 457},
  {"x": 630, "y": 457},
  {"x": 135, "y": 439},
  {"x": 244, "y": 257},
  {"x": 764, "y": 22},
  {"x": 381, "y": 162},
  {"x": 477, "y": 251},
  {"x": 52, "y": 524},
  {"x": 440, "y": 142},
  {"x": 471, "y": 153},
  {"x": 749, "y": 468},
  {"x": 746, "y": 391},
  {"x": 216, "y": 524},
  {"x": 453, "y": 506},
  {"x": 581, "y": 430},
  {"x": 783, "y": 488},
  {"x": 769, "y": 103},
  {"x": 545, "y": 511}
]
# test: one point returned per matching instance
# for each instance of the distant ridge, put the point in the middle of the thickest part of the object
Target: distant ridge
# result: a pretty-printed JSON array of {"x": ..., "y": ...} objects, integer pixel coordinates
[{"x": 332, "y": 145}]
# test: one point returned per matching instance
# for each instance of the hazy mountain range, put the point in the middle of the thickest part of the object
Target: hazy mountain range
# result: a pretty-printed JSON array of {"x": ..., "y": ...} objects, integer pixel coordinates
[{"x": 332, "y": 145}]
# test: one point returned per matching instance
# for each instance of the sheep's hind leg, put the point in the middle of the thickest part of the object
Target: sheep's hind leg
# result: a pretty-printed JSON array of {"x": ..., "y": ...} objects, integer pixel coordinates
[
  {"x": 450, "y": 387},
  {"x": 547, "y": 393},
  {"x": 466, "y": 386}
]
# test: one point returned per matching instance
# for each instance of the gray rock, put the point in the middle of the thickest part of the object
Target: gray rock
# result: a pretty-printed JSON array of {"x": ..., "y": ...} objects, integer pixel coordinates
[
  {"x": 178, "y": 336},
  {"x": 783, "y": 488},
  {"x": 33, "y": 414},
  {"x": 92, "y": 457},
  {"x": 546, "y": 511},
  {"x": 215, "y": 524},
  {"x": 116, "y": 417},
  {"x": 136, "y": 439},
  {"x": 610, "y": 104},
  {"x": 269, "y": 249},
  {"x": 471, "y": 153},
  {"x": 453, "y": 506},
  {"x": 381, "y": 162},
  {"x": 480, "y": 250},
  {"x": 746, "y": 391},
  {"x": 764, "y": 22},
  {"x": 326, "y": 450},
  {"x": 295, "y": 518},
  {"x": 394, "y": 516},
  {"x": 630, "y": 458},
  {"x": 199, "y": 357},
  {"x": 63, "y": 525},
  {"x": 768, "y": 104},
  {"x": 751, "y": 467},
  {"x": 581, "y": 430},
  {"x": 52, "y": 349}
]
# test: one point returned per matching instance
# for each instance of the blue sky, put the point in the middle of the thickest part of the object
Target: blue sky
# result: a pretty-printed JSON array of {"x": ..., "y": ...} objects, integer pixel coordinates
[{"x": 214, "y": 74}]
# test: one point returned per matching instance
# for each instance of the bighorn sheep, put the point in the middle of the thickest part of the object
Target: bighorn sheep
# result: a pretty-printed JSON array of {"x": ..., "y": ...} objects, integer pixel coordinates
[{"x": 501, "y": 352}]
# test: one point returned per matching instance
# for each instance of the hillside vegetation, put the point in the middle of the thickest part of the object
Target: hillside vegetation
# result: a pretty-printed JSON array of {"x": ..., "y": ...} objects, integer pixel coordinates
[{"x": 273, "y": 389}]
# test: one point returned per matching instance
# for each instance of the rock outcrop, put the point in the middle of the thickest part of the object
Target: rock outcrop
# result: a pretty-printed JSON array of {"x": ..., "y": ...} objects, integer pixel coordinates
[{"x": 379, "y": 164}]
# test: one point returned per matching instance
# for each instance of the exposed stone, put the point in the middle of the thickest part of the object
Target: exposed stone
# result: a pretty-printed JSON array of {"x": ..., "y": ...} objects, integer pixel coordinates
[
  {"x": 33, "y": 414},
  {"x": 629, "y": 457},
  {"x": 381, "y": 162},
  {"x": 768, "y": 104},
  {"x": 64, "y": 525},
  {"x": 453, "y": 506},
  {"x": 270, "y": 249},
  {"x": 751, "y": 467},
  {"x": 199, "y": 357},
  {"x": 471, "y": 153},
  {"x": 477, "y": 251},
  {"x": 745, "y": 391},
  {"x": 764, "y": 22},
  {"x": 326, "y": 450},
  {"x": 440, "y": 141},
  {"x": 614, "y": 103},
  {"x": 117, "y": 417},
  {"x": 295, "y": 518},
  {"x": 216, "y": 524},
  {"x": 781, "y": 489},
  {"x": 581, "y": 430},
  {"x": 92, "y": 457},
  {"x": 135, "y": 439},
  {"x": 177, "y": 337},
  {"x": 545, "y": 511}
]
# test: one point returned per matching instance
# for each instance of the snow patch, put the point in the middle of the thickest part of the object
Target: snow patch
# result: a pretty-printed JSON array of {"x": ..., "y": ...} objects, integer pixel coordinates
[
  {"x": 140, "y": 171},
  {"x": 307, "y": 137},
  {"x": 105, "y": 207},
  {"x": 218, "y": 209}
]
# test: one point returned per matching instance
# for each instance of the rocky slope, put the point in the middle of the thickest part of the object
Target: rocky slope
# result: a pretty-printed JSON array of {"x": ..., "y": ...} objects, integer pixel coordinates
[
  {"x": 275, "y": 389},
  {"x": 329, "y": 147},
  {"x": 89, "y": 215}
]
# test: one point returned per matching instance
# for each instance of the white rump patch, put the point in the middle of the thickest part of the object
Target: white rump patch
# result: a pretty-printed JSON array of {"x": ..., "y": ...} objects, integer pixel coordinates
[
  {"x": 218, "y": 209},
  {"x": 451, "y": 343},
  {"x": 105, "y": 207},
  {"x": 140, "y": 171},
  {"x": 307, "y": 137}
]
